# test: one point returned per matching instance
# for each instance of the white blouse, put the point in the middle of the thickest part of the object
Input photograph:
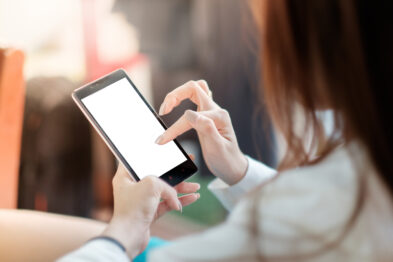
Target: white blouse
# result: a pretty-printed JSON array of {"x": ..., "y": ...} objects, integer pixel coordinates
[{"x": 298, "y": 214}]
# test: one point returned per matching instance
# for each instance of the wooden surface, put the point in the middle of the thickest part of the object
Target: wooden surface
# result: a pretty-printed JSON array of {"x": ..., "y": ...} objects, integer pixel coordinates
[{"x": 11, "y": 119}]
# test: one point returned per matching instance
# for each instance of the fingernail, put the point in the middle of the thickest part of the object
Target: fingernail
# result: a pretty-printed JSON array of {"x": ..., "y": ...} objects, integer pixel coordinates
[
  {"x": 191, "y": 116},
  {"x": 166, "y": 108},
  {"x": 198, "y": 195},
  {"x": 159, "y": 139},
  {"x": 161, "y": 111},
  {"x": 199, "y": 186},
  {"x": 180, "y": 206}
]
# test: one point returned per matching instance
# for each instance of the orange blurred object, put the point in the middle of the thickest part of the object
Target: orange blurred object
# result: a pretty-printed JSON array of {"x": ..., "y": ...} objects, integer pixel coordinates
[{"x": 12, "y": 96}]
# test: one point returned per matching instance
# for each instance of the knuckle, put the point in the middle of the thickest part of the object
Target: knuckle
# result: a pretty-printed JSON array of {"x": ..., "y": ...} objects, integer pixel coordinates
[
  {"x": 150, "y": 181},
  {"x": 204, "y": 83},
  {"x": 224, "y": 114},
  {"x": 195, "y": 86},
  {"x": 204, "y": 86},
  {"x": 173, "y": 191},
  {"x": 193, "y": 83},
  {"x": 208, "y": 125}
]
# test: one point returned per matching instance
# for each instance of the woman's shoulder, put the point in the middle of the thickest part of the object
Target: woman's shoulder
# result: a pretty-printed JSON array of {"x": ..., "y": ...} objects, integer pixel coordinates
[
  {"x": 336, "y": 172},
  {"x": 328, "y": 186},
  {"x": 315, "y": 192},
  {"x": 307, "y": 207},
  {"x": 331, "y": 183}
]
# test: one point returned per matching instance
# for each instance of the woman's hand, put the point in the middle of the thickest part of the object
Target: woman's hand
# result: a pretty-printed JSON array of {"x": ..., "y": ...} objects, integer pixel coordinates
[
  {"x": 137, "y": 205},
  {"x": 213, "y": 125}
]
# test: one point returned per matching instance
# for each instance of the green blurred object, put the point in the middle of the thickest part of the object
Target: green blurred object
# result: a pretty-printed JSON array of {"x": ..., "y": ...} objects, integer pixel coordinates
[{"x": 207, "y": 210}]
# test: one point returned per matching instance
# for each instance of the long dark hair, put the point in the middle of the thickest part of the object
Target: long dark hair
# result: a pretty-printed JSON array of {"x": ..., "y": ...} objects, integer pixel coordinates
[{"x": 330, "y": 54}]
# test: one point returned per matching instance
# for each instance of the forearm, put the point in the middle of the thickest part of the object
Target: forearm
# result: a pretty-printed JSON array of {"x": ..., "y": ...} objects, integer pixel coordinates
[{"x": 37, "y": 236}]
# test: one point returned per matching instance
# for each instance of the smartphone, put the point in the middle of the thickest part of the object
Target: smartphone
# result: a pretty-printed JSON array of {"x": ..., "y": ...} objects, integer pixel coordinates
[{"x": 129, "y": 126}]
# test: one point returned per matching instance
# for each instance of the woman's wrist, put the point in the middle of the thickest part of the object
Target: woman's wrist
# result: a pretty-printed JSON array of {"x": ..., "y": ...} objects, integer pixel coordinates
[
  {"x": 110, "y": 239},
  {"x": 125, "y": 233},
  {"x": 239, "y": 169},
  {"x": 243, "y": 166}
]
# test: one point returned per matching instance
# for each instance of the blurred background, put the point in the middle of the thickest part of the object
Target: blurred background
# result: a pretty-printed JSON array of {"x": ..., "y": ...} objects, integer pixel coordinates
[{"x": 62, "y": 166}]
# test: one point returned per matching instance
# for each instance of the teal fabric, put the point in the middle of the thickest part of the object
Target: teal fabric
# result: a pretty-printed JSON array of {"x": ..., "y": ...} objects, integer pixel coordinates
[{"x": 153, "y": 243}]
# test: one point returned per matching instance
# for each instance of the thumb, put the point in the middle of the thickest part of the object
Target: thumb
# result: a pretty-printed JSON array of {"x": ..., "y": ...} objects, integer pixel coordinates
[{"x": 122, "y": 176}]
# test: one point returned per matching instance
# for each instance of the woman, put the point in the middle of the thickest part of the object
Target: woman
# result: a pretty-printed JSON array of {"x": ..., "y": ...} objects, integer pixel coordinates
[{"x": 331, "y": 198}]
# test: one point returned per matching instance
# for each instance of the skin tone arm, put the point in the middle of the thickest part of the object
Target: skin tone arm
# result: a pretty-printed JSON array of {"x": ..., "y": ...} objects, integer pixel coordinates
[
  {"x": 39, "y": 236},
  {"x": 137, "y": 205}
]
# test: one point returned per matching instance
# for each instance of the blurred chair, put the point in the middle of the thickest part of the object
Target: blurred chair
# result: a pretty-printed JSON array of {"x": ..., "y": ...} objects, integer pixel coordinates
[{"x": 11, "y": 120}]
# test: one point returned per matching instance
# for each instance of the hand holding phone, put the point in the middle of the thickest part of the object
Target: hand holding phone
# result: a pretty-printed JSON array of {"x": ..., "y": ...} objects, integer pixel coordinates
[{"x": 131, "y": 220}]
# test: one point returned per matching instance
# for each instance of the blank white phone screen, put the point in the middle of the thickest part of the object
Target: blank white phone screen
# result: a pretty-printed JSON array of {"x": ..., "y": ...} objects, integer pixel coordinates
[{"x": 133, "y": 129}]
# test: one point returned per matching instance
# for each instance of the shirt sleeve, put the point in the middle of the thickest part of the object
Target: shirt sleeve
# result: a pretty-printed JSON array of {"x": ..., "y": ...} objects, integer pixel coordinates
[
  {"x": 97, "y": 250},
  {"x": 294, "y": 215},
  {"x": 256, "y": 174}
]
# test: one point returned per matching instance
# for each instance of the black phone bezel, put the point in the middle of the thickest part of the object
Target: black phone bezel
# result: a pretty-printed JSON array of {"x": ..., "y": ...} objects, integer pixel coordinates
[{"x": 173, "y": 176}]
